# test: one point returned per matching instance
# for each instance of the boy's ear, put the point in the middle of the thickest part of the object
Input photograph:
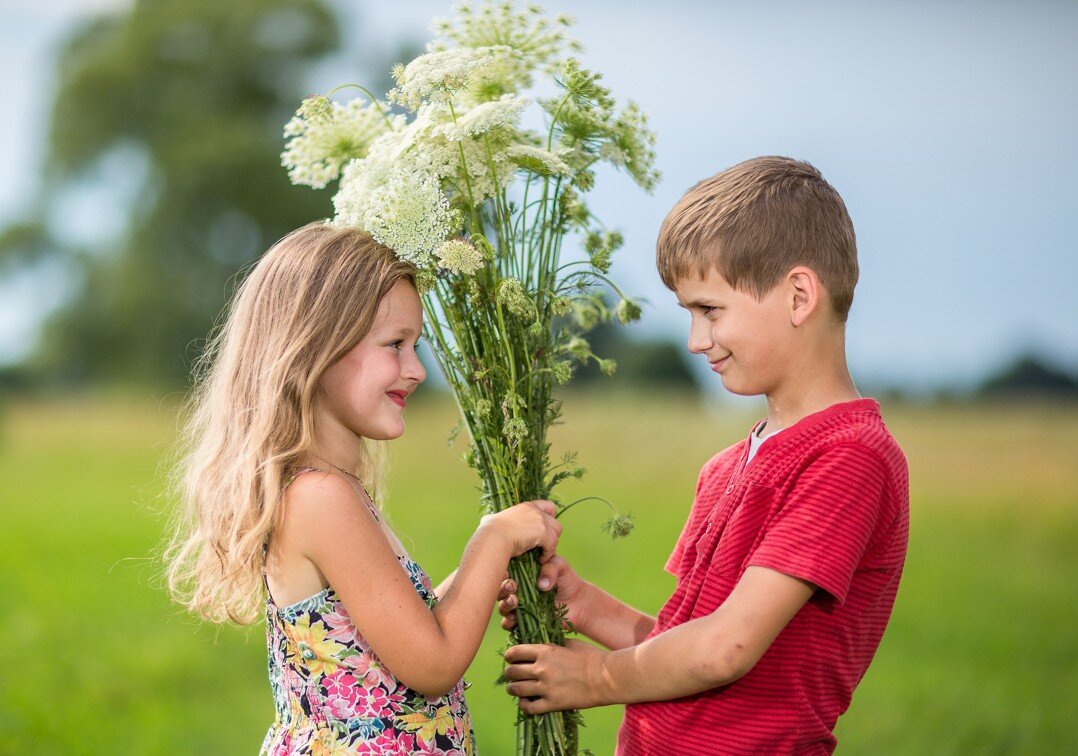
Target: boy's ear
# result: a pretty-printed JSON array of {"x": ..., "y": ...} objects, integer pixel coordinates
[{"x": 807, "y": 293}]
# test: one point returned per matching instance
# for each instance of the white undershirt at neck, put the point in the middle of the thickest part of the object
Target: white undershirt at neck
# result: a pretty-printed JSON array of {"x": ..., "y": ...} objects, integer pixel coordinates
[{"x": 756, "y": 441}]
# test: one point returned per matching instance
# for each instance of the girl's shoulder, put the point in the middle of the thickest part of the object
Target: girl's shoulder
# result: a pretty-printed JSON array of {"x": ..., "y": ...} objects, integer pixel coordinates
[
  {"x": 311, "y": 485},
  {"x": 316, "y": 499}
]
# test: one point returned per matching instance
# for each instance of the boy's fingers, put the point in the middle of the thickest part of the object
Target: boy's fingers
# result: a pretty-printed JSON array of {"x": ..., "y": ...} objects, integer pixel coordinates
[
  {"x": 523, "y": 689},
  {"x": 524, "y": 653},
  {"x": 533, "y": 706},
  {"x": 548, "y": 572},
  {"x": 520, "y": 672}
]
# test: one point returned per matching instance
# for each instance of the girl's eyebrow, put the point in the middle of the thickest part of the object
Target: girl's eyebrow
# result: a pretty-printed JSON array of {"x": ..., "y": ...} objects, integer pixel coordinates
[{"x": 403, "y": 331}]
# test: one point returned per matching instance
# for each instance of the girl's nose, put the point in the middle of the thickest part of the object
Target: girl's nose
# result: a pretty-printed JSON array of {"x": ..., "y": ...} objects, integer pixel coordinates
[{"x": 414, "y": 370}]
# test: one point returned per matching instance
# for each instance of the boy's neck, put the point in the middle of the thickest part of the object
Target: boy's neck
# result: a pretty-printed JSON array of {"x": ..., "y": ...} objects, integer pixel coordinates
[{"x": 798, "y": 399}]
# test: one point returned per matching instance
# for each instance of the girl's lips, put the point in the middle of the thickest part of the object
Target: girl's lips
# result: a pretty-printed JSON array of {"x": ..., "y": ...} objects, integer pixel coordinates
[{"x": 397, "y": 399}]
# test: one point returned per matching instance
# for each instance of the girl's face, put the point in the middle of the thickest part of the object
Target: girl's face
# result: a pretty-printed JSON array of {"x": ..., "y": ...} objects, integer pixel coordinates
[{"x": 366, "y": 390}]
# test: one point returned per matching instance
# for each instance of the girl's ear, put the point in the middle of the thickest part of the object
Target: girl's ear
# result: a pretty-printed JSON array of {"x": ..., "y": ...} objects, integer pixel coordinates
[{"x": 807, "y": 292}]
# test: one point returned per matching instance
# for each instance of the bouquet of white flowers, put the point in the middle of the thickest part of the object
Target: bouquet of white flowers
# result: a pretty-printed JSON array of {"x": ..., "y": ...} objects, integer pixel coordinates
[{"x": 481, "y": 206}]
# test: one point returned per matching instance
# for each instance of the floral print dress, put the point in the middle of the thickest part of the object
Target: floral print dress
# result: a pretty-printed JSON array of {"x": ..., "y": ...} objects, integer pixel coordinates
[{"x": 334, "y": 696}]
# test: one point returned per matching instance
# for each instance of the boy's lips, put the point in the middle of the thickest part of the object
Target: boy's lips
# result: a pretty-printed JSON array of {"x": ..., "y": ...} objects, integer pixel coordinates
[{"x": 717, "y": 365}]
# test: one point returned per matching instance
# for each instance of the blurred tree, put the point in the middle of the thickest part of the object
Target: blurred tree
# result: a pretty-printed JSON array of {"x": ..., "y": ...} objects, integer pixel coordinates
[
  {"x": 642, "y": 363},
  {"x": 1029, "y": 376},
  {"x": 176, "y": 107}
]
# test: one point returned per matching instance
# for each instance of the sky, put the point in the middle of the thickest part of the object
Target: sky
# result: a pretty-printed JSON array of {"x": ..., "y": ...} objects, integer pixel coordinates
[{"x": 948, "y": 128}]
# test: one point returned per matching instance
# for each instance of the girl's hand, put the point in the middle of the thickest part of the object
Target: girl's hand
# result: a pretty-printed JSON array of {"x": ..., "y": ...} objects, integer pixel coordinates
[
  {"x": 526, "y": 526},
  {"x": 554, "y": 573}
]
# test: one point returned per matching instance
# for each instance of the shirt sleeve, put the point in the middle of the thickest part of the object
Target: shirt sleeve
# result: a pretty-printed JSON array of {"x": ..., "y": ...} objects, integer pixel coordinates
[
  {"x": 820, "y": 533},
  {"x": 697, "y": 515}
]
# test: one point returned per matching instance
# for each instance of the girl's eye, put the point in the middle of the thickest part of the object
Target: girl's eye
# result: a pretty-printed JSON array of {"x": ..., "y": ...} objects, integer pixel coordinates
[{"x": 400, "y": 343}]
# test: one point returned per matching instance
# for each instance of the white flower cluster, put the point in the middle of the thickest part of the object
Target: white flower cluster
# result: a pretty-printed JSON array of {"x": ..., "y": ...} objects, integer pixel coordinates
[
  {"x": 485, "y": 117},
  {"x": 437, "y": 76},
  {"x": 538, "y": 160},
  {"x": 411, "y": 182},
  {"x": 410, "y": 215},
  {"x": 324, "y": 136},
  {"x": 460, "y": 257},
  {"x": 537, "y": 42}
]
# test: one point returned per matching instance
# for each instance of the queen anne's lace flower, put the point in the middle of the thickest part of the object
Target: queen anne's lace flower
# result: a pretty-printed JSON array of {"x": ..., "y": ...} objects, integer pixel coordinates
[
  {"x": 537, "y": 43},
  {"x": 436, "y": 76},
  {"x": 489, "y": 115},
  {"x": 632, "y": 147},
  {"x": 627, "y": 311},
  {"x": 460, "y": 257},
  {"x": 538, "y": 160},
  {"x": 512, "y": 296},
  {"x": 515, "y": 431},
  {"x": 410, "y": 215},
  {"x": 324, "y": 136}
]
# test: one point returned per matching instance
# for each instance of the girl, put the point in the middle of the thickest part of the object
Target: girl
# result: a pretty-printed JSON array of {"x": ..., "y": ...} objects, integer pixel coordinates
[{"x": 317, "y": 358}]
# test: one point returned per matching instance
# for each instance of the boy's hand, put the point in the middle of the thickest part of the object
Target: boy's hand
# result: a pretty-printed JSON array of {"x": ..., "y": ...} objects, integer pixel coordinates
[
  {"x": 554, "y": 573},
  {"x": 508, "y": 589},
  {"x": 555, "y": 678}
]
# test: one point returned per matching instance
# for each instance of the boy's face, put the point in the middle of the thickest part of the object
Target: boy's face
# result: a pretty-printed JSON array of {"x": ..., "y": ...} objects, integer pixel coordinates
[{"x": 746, "y": 340}]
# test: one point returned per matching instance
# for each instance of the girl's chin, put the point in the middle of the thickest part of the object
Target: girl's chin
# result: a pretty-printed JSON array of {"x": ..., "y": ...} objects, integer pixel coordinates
[{"x": 386, "y": 432}]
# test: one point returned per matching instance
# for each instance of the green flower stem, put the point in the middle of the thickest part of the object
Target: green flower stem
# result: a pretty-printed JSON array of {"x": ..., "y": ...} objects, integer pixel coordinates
[
  {"x": 370, "y": 95},
  {"x": 476, "y": 225}
]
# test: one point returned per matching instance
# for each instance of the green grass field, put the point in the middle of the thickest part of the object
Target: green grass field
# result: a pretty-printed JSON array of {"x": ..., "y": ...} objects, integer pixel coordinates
[{"x": 981, "y": 655}]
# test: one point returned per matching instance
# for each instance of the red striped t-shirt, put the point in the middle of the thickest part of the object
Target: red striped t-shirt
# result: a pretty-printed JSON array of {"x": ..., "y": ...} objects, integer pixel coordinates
[{"x": 826, "y": 500}]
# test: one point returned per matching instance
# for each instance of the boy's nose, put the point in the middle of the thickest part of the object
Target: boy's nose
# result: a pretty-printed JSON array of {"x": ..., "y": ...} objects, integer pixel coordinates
[{"x": 699, "y": 338}]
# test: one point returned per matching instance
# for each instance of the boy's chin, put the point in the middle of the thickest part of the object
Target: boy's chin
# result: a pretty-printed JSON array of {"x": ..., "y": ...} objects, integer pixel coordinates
[{"x": 739, "y": 388}]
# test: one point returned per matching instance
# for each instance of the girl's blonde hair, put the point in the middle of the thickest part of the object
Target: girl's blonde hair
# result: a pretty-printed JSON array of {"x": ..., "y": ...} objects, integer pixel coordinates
[{"x": 309, "y": 300}]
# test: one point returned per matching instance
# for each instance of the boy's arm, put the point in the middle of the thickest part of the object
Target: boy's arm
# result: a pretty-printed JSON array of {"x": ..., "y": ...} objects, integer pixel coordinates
[
  {"x": 699, "y": 655},
  {"x": 612, "y": 622},
  {"x": 592, "y": 611}
]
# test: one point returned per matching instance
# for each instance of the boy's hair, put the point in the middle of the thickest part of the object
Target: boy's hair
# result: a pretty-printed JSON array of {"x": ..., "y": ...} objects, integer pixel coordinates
[
  {"x": 756, "y": 221},
  {"x": 250, "y": 420}
]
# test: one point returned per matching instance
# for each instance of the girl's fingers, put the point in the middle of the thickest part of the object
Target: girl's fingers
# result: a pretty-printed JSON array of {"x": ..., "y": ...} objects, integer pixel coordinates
[
  {"x": 547, "y": 506},
  {"x": 509, "y": 621}
]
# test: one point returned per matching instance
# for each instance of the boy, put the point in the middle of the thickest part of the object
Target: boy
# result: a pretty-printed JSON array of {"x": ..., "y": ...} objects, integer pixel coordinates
[{"x": 788, "y": 565}]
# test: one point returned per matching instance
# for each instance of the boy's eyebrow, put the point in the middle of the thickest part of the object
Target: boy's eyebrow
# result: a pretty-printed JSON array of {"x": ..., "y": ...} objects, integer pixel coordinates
[{"x": 696, "y": 303}]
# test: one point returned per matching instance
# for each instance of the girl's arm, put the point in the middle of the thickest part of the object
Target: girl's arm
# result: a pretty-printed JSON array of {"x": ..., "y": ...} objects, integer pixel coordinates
[
  {"x": 427, "y": 650},
  {"x": 443, "y": 586}
]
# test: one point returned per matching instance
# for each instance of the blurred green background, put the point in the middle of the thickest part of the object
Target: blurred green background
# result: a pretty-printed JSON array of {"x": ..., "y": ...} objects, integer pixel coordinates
[
  {"x": 979, "y": 656},
  {"x": 159, "y": 181}
]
